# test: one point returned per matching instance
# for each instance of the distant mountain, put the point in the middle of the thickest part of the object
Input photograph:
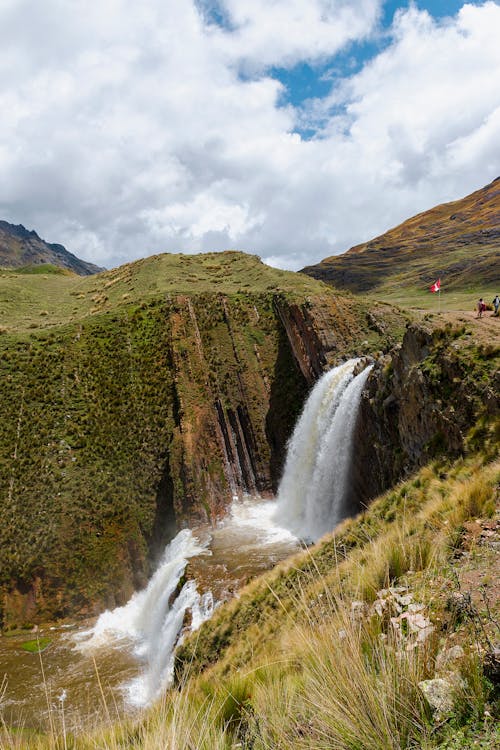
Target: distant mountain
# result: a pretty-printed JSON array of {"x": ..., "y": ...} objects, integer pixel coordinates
[
  {"x": 458, "y": 241},
  {"x": 20, "y": 247}
]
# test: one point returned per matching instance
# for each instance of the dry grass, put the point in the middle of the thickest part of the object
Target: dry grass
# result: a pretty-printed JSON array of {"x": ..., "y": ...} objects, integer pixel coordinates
[{"x": 330, "y": 674}]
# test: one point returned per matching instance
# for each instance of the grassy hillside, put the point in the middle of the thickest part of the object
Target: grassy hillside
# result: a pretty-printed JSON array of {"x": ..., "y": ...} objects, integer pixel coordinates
[
  {"x": 29, "y": 301},
  {"x": 136, "y": 400},
  {"x": 330, "y": 650},
  {"x": 339, "y": 646},
  {"x": 457, "y": 242}
]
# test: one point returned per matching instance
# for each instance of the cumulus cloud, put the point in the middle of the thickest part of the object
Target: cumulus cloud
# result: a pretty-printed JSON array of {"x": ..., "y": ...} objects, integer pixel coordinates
[
  {"x": 134, "y": 128},
  {"x": 264, "y": 33}
]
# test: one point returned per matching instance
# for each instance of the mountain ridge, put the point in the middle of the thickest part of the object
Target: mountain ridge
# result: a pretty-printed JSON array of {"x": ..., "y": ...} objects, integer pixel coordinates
[
  {"x": 21, "y": 247},
  {"x": 457, "y": 241}
]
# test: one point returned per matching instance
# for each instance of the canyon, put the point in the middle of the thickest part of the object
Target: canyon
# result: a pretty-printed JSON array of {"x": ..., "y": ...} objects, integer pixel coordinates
[
  {"x": 140, "y": 408},
  {"x": 149, "y": 411}
]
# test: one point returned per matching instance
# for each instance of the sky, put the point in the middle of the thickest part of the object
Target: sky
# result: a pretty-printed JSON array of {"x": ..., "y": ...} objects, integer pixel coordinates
[{"x": 291, "y": 129}]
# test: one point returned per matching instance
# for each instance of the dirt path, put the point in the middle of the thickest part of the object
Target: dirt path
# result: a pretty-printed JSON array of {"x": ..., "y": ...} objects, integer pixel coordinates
[{"x": 486, "y": 330}]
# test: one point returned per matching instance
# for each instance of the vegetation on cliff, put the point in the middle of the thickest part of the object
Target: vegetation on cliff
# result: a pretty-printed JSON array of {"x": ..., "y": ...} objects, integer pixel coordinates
[{"x": 142, "y": 398}]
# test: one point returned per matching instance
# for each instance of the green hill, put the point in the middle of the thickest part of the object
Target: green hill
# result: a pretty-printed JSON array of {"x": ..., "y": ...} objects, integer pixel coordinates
[
  {"x": 458, "y": 242},
  {"x": 29, "y": 301}
]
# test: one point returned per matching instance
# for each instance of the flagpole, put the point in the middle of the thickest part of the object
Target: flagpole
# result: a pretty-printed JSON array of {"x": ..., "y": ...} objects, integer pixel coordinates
[{"x": 436, "y": 287}]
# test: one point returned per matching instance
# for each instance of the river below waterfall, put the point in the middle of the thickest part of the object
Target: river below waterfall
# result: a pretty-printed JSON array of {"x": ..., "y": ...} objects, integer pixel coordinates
[{"x": 94, "y": 671}]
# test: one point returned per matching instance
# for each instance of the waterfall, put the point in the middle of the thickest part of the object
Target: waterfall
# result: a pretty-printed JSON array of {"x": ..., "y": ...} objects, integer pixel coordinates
[
  {"x": 314, "y": 488},
  {"x": 152, "y": 620},
  {"x": 311, "y": 501}
]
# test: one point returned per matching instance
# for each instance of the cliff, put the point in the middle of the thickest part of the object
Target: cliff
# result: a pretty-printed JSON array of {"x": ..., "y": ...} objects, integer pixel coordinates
[
  {"x": 435, "y": 394},
  {"x": 141, "y": 400}
]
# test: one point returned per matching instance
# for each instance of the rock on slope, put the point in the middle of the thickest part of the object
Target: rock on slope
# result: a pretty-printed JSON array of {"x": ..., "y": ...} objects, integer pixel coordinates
[
  {"x": 20, "y": 247},
  {"x": 458, "y": 241}
]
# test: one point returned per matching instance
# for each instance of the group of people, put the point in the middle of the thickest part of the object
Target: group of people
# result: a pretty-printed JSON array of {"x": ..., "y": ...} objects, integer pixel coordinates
[{"x": 481, "y": 306}]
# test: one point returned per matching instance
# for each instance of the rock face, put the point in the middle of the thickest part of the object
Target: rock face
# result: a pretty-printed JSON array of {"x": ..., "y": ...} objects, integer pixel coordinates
[
  {"x": 421, "y": 402},
  {"x": 21, "y": 247},
  {"x": 121, "y": 428}
]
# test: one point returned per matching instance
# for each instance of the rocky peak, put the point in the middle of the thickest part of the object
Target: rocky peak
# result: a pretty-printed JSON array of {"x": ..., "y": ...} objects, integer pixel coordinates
[{"x": 23, "y": 247}]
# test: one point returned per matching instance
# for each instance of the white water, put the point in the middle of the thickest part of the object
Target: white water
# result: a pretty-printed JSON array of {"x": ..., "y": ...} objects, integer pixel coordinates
[
  {"x": 150, "y": 622},
  {"x": 310, "y": 502},
  {"x": 315, "y": 482},
  {"x": 249, "y": 516}
]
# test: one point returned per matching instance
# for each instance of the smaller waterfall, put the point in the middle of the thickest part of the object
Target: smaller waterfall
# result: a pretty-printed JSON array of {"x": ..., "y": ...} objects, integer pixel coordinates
[
  {"x": 314, "y": 487},
  {"x": 152, "y": 621}
]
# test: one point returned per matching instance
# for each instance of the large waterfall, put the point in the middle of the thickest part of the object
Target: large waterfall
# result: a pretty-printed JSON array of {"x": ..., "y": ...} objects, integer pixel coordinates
[
  {"x": 313, "y": 492},
  {"x": 311, "y": 501}
]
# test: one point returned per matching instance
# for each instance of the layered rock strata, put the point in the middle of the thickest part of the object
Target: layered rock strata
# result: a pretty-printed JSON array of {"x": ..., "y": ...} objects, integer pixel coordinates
[{"x": 120, "y": 429}]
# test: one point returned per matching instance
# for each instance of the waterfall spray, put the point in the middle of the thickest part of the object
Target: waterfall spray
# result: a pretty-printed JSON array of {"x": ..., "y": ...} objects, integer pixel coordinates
[{"x": 315, "y": 483}]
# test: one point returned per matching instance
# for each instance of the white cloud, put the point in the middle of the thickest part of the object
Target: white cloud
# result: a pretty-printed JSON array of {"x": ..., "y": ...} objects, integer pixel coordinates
[
  {"x": 283, "y": 32},
  {"x": 128, "y": 128},
  {"x": 207, "y": 213}
]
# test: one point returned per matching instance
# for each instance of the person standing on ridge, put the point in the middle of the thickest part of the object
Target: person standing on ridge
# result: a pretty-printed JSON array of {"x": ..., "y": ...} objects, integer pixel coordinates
[
  {"x": 496, "y": 305},
  {"x": 480, "y": 308}
]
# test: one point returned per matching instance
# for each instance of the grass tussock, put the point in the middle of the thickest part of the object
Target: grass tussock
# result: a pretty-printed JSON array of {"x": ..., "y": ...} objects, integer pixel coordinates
[{"x": 356, "y": 690}]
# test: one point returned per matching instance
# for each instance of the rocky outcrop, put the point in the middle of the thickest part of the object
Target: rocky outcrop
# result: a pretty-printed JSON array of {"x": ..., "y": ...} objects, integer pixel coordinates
[
  {"x": 421, "y": 401},
  {"x": 309, "y": 351}
]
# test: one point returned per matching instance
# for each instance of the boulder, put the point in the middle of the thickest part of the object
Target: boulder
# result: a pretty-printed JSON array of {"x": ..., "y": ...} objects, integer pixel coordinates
[{"x": 439, "y": 695}]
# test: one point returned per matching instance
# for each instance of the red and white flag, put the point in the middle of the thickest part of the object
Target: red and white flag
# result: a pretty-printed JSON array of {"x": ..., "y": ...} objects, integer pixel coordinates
[{"x": 436, "y": 287}]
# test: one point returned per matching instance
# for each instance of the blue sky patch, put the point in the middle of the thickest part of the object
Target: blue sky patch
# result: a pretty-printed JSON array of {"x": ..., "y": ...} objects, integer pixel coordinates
[
  {"x": 306, "y": 81},
  {"x": 214, "y": 12}
]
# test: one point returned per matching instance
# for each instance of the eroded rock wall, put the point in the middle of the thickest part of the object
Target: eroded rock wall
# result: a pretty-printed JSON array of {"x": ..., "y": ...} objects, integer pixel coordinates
[
  {"x": 119, "y": 430},
  {"x": 421, "y": 402}
]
